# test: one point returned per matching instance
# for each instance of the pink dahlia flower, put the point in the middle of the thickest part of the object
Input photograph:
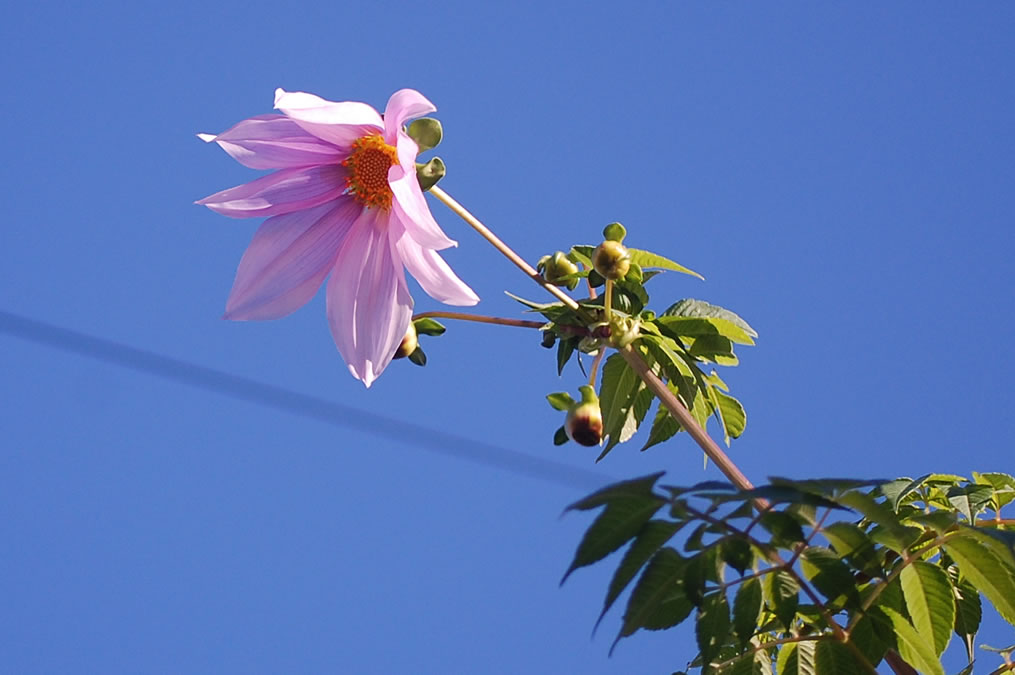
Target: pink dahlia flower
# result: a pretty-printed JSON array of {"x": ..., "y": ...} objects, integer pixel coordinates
[{"x": 344, "y": 201}]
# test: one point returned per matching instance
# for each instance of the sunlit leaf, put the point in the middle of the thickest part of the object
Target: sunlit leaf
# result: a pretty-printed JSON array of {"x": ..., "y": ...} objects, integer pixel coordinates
[
  {"x": 646, "y": 260},
  {"x": 929, "y": 600},
  {"x": 912, "y": 646},
  {"x": 990, "y": 575},
  {"x": 700, "y": 308}
]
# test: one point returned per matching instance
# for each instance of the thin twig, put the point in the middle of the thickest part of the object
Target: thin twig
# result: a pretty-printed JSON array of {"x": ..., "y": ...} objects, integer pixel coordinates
[
  {"x": 500, "y": 321},
  {"x": 505, "y": 250}
]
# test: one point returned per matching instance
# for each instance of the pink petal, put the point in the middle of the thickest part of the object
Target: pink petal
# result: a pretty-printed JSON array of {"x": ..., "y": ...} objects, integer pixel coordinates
[
  {"x": 369, "y": 306},
  {"x": 409, "y": 205},
  {"x": 288, "y": 259},
  {"x": 404, "y": 104},
  {"x": 274, "y": 142},
  {"x": 337, "y": 123},
  {"x": 433, "y": 274},
  {"x": 284, "y": 191}
]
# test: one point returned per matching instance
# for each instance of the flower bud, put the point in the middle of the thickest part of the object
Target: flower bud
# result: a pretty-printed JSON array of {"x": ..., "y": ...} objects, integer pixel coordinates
[
  {"x": 556, "y": 267},
  {"x": 409, "y": 343},
  {"x": 584, "y": 423},
  {"x": 611, "y": 260},
  {"x": 624, "y": 331}
]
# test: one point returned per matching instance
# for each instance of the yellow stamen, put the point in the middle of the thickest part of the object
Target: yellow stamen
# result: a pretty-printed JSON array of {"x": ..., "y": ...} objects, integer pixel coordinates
[{"x": 368, "y": 165}]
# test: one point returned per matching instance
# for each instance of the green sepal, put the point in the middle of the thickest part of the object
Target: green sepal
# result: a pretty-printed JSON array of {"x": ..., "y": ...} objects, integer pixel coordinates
[
  {"x": 560, "y": 400},
  {"x": 615, "y": 232},
  {"x": 429, "y": 327},
  {"x": 427, "y": 132},
  {"x": 560, "y": 436},
  {"x": 418, "y": 357},
  {"x": 429, "y": 174}
]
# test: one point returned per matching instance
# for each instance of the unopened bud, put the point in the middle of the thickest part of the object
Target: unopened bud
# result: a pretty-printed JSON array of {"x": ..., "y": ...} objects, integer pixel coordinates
[
  {"x": 584, "y": 423},
  {"x": 611, "y": 260},
  {"x": 624, "y": 331},
  {"x": 408, "y": 344},
  {"x": 557, "y": 268}
]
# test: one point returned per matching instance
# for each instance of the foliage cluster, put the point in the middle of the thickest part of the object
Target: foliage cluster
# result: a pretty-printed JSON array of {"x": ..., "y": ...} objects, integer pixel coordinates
[{"x": 812, "y": 576}]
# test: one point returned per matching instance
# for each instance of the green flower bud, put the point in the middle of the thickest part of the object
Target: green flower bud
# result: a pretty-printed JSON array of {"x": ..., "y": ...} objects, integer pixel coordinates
[
  {"x": 427, "y": 132},
  {"x": 408, "y": 344},
  {"x": 624, "y": 331},
  {"x": 584, "y": 423},
  {"x": 611, "y": 260},
  {"x": 556, "y": 268}
]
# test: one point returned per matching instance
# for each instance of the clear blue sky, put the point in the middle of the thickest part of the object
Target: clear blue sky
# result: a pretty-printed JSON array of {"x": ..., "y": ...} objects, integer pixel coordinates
[{"x": 841, "y": 175}]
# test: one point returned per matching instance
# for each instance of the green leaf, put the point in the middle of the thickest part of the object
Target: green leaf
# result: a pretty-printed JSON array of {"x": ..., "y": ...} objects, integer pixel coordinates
[
  {"x": 785, "y": 529},
  {"x": 968, "y": 613},
  {"x": 560, "y": 436},
  {"x": 782, "y": 593},
  {"x": 621, "y": 521},
  {"x": 1003, "y": 484},
  {"x": 652, "y": 537},
  {"x": 696, "y": 327},
  {"x": 418, "y": 357},
  {"x": 895, "y": 491},
  {"x": 700, "y": 308},
  {"x": 797, "y": 658},
  {"x": 989, "y": 574},
  {"x": 713, "y": 625},
  {"x": 930, "y": 603},
  {"x": 565, "y": 348},
  {"x": 647, "y": 260},
  {"x": 635, "y": 487},
  {"x": 537, "y": 306},
  {"x": 872, "y": 635},
  {"x": 657, "y": 601},
  {"x": 582, "y": 254},
  {"x": 560, "y": 400},
  {"x": 734, "y": 417},
  {"x": 746, "y": 608},
  {"x": 835, "y": 658},
  {"x": 620, "y": 385},
  {"x": 664, "y": 427},
  {"x": 852, "y": 543},
  {"x": 758, "y": 663},
  {"x": 429, "y": 327},
  {"x": 828, "y": 573},
  {"x": 736, "y": 553},
  {"x": 714, "y": 348},
  {"x": 891, "y": 532},
  {"x": 970, "y": 499},
  {"x": 913, "y": 648}
]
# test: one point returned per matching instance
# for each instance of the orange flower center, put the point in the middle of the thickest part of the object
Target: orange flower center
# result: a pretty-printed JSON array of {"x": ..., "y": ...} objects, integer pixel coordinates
[{"x": 368, "y": 165}]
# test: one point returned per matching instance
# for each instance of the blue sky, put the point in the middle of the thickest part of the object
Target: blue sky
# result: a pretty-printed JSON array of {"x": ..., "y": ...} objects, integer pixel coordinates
[{"x": 841, "y": 175}]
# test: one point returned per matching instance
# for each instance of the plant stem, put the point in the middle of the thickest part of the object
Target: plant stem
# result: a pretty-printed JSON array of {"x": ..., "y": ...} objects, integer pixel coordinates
[
  {"x": 595, "y": 366},
  {"x": 681, "y": 414},
  {"x": 672, "y": 403},
  {"x": 608, "y": 300},
  {"x": 480, "y": 319},
  {"x": 519, "y": 262}
]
